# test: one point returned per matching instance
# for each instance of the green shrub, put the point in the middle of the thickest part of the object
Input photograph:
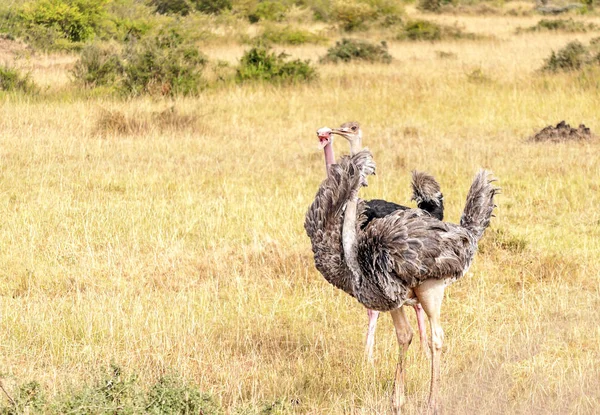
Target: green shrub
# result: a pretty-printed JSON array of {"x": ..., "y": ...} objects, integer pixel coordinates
[
  {"x": 288, "y": 35},
  {"x": 165, "y": 65},
  {"x": 181, "y": 7},
  {"x": 12, "y": 80},
  {"x": 353, "y": 49},
  {"x": 562, "y": 25},
  {"x": 261, "y": 64},
  {"x": 427, "y": 30},
  {"x": 212, "y": 6},
  {"x": 98, "y": 65},
  {"x": 573, "y": 56},
  {"x": 352, "y": 15},
  {"x": 29, "y": 399},
  {"x": 171, "y": 396},
  {"x": 422, "y": 30},
  {"x": 268, "y": 10},
  {"x": 75, "y": 20}
]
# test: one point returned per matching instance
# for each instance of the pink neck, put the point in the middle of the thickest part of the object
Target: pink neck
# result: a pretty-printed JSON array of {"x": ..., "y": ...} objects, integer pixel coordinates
[{"x": 329, "y": 157}]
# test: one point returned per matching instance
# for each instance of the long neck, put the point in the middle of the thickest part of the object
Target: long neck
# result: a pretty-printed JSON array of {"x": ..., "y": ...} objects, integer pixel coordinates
[
  {"x": 349, "y": 238},
  {"x": 349, "y": 227},
  {"x": 355, "y": 146},
  {"x": 329, "y": 156}
]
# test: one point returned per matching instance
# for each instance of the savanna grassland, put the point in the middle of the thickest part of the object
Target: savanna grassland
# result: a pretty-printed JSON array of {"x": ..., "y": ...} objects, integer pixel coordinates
[{"x": 163, "y": 235}]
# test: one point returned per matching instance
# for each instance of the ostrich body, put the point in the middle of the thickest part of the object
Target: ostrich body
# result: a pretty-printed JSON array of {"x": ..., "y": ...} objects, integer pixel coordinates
[
  {"x": 427, "y": 194},
  {"x": 403, "y": 258}
]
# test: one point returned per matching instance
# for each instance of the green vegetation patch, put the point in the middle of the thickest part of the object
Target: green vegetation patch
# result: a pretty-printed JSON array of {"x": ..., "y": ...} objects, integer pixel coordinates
[
  {"x": 115, "y": 393},
  {"x": 12, "y": 80},
  {"x": 353, "y": 49},
  {"x": 353, "y": 15},
  {"x": 166, "y": 64},
  {"x": 426, "y": 30},
  {"x": 560, "y": 25},
  {"x": 262, "y": 64},
  {"x": 185, "y": 7},
  {"x": 289, "y": 35},
  {"x": 574, "y": 56}
]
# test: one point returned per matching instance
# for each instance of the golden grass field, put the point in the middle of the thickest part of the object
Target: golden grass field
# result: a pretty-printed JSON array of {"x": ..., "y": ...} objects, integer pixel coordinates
[{"x": 180, "y": 246}]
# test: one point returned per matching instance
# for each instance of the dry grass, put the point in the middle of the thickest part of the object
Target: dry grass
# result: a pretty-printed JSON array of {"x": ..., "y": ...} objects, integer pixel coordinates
[{"x": 183, "y": 248}]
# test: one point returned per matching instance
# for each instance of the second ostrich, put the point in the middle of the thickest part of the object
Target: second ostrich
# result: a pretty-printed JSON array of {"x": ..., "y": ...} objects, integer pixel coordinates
[
  {"x": 403, "y": 258},
  {"x": 427, "y": 194}
]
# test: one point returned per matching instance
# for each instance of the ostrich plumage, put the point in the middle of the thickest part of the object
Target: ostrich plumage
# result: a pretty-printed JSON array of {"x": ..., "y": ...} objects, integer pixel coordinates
[
  {"x": 405, "y": 257},
  {"x": 427, "y": 194}
]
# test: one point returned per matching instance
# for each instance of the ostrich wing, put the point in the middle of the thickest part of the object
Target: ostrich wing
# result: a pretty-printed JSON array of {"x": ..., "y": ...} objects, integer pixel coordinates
[{"x": 402, "y": 250}]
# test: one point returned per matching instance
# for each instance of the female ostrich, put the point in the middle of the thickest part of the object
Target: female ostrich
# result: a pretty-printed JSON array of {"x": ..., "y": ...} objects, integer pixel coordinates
[
  {"x": 426, "y": 191},
  {"x": 403, "y": 258},
  {"x": 427, "y": 194}
]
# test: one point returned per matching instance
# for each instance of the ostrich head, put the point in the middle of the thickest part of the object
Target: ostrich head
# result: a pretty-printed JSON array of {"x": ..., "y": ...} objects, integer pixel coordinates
[
  {"x": 326, "y": 143},
  {"x": 351, "y": 131},
  {"x": 325, "y": 137}
]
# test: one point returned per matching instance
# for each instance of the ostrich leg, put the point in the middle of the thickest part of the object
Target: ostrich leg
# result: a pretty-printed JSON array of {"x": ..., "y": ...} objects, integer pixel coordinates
[
  {"x": 373, "y": 315},
  {"x": 404, "y": 334},
  {"x": 430, "y": 294},
  {"x": 422, "y": 331}
]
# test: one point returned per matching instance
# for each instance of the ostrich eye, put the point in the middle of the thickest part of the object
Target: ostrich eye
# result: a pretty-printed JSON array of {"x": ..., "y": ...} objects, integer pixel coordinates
[{"x": 354, "y": 128}]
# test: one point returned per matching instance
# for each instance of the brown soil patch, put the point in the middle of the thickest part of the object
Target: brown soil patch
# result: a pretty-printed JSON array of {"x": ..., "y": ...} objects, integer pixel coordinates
[{"x": 561, "y": 133}]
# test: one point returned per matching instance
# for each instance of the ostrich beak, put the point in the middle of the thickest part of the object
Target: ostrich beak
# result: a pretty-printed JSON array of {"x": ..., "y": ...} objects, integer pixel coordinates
[{"x": 324, "y": 135}]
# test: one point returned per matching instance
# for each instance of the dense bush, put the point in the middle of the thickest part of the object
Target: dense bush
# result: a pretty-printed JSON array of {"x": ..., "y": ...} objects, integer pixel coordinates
[
  {"x": 353, "y": 49},
  {"x": 427, "y": 30},
  {"x": 573, "y": 56},
  {"x": 268, "y": 10},
  {"x": 166, "y": 64},
  {"x": 261, "y": 64},
  {"x": 562, "y": 25},
  {"x": 422, "y": 30},
  {"x": 98, "y": 65},
  {"x": 288, "y": 35},
  {"x": 212, "y": 6},
  {"x": 75, "y": 20},
  {"x": 12, "y": 80},
  {"x": 181, "y": 7},
  {"x": 352, "y": 15}
]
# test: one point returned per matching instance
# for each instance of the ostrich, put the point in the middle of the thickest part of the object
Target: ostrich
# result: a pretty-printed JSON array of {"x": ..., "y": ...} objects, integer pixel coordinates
[
  {"x": 403, "y": 258},
  {"x": 426, "y": 191},
  {"x": 427, "y": 194}
]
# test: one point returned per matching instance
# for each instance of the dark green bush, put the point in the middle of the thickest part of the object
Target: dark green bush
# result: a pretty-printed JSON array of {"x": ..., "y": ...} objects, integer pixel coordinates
[
  {"x": 427, "y": 30},
  {"x": 75, "y": 20},
  {"x": 165, "y": 65},
  {"x": 261, "y": 64},
  {"x": 573, "y": 56},
  {"x": 268, "y": 10},
  {"x": 98, "y": 65},
  {"x": 422, "y": 30},
  {"x": 288, "y": 35},
  {"x": 352, "y": 15},
  {"x": 12, "y": 80},
  {"x": 560, "y": 25},
  {"x": 181, "y": 7},
  {"x": 353, "y": 49},
  {"x": 212, "y": 6}
]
